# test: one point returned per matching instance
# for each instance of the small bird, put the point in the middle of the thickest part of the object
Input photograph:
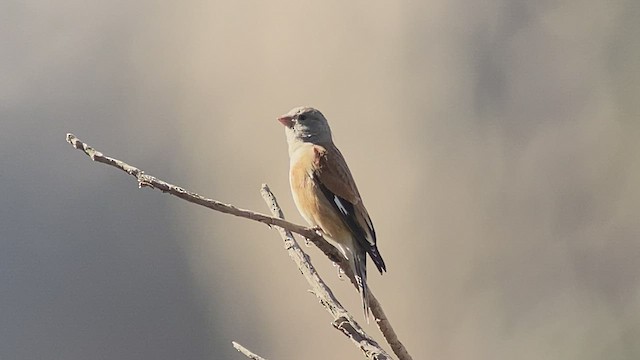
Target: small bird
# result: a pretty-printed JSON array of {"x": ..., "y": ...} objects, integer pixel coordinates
[{"x": 326, "y": 195}]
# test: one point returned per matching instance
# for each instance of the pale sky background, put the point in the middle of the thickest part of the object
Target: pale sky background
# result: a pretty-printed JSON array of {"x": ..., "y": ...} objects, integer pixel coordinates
[{"x": 495, "y": 143}]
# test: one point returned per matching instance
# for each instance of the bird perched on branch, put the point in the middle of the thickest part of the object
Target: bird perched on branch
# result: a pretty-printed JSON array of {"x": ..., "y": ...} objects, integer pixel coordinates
[{"x": 326, "y": 195}]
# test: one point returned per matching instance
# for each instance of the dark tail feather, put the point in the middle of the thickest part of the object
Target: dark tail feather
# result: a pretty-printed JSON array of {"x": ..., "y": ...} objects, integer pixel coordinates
[
  {"x": 377, "y": 258},
  {"x": 360, "y": 264}
]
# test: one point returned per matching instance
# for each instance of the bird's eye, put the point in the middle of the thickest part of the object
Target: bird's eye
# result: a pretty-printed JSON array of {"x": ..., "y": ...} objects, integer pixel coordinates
[{"x": 302, "y": 117}]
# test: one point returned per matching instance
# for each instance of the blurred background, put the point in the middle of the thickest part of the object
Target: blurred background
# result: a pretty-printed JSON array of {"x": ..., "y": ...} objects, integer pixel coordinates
[{"x": 495, "y": 144}]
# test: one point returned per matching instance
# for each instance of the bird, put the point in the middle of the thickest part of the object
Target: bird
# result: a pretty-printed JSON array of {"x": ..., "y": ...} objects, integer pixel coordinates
[{"x": 326, "y": 194}]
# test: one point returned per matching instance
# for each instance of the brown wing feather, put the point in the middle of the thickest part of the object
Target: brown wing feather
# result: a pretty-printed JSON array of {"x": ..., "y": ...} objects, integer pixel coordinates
[
  {"x": 332, "y": 171},
  {"x": 338, "y": 186}
]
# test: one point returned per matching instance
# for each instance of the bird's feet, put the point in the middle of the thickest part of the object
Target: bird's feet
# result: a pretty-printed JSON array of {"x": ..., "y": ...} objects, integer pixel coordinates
[
  {"x": 315, "y": 229},
  {"x": 340, "y": 271}
]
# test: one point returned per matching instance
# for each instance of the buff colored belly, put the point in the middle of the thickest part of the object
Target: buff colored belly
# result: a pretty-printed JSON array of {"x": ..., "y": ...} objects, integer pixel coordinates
[{"x": 315, "y": 208}]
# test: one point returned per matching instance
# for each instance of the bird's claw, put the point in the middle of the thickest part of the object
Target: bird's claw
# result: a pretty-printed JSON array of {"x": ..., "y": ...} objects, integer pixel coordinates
[{"x": 340, "y": 271}]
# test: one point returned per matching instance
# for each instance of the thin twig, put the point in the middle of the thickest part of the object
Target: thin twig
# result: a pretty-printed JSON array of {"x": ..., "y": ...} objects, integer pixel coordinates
[
  {"x": 376, "y": 309},
  {"x": 247, "y": 352},
  {"x": 145, "y": 180},
  {"x": 342, "y": 320},
  {"x": 331, "y": 252}
]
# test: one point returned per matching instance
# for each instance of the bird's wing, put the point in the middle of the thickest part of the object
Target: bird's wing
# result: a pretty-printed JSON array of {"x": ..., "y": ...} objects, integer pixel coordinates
[{"x": 336, "y": 182}]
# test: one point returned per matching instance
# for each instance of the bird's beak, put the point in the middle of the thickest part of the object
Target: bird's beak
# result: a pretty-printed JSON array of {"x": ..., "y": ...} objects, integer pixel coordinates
[{"x": 286, "y": 120}]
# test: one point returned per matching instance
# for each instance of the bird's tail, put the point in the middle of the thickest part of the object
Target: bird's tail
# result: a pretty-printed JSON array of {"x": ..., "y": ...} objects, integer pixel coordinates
[{"x": 360, "y": 271}]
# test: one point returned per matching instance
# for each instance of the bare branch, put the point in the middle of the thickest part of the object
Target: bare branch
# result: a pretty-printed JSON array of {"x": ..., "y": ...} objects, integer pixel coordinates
[
  {"x": 331, "y": 252},
  {"x": 342, "y": 320},
  {"x": 145, "y": 180},
  {"x": 376, "y": 309},
  {"x": 247, "y": 352}
]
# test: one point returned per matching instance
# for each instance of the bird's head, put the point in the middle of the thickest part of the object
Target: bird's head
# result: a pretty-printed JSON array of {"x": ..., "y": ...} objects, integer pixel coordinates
[{"x": 306, "y": 124}]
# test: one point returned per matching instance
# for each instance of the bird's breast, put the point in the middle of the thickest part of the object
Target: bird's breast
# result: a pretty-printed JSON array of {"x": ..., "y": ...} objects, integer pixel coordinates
[{"x": 310, "y": 200}]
